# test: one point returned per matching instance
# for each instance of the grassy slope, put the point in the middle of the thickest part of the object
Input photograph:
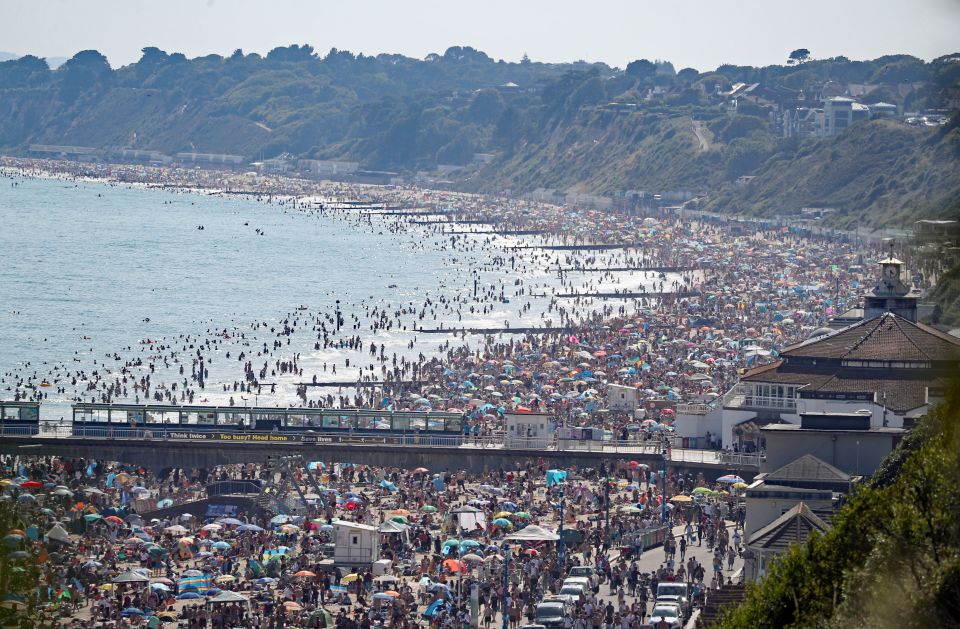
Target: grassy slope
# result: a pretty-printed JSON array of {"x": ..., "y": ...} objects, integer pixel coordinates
[
  {"x": 877, "y": 173},
  {"x": 603, "y": 152}
]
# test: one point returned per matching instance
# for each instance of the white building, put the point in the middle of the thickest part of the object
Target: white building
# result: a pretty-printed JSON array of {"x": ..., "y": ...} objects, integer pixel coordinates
[
  {"x": 356, "y": 545},
  {"x": 839, "y": 113},
  {"x": 622, "y": 398},
  {"x": 328, "y": 168},
  {"x": 529, "y": 430},
  {"x": 886, "y": 367}
]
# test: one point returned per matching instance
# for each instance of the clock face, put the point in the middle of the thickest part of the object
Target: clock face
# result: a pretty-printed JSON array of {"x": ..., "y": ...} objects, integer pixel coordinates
[{"x": 890, "y": 271}]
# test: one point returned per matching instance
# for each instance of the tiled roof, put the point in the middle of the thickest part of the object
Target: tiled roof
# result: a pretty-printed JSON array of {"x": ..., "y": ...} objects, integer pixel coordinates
[
  {"x": 893, "y": 391},
  {"x": 793, "y": 527},
  {"x": 808, "y": 468},
  {"x": 887, "y": 337}
]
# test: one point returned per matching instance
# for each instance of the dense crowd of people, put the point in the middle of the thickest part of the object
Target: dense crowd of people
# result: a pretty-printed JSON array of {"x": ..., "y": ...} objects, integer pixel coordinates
[{"x": 101, "y": 563}]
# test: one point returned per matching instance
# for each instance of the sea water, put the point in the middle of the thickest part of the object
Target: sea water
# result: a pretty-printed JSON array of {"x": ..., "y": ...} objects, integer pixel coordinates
[{"x": 95, "y": 274}]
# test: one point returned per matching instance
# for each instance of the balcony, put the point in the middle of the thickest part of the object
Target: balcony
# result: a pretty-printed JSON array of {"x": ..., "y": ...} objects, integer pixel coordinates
[{"x": 744, "y": 397}]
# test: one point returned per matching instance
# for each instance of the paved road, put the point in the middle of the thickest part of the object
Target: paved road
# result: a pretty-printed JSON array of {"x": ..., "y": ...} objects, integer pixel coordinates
[{"x": 654, "y": 558}]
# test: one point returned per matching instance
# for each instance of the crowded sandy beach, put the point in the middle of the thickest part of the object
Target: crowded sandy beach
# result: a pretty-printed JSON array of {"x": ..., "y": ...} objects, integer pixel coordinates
[{"x": 565, "y": 303}]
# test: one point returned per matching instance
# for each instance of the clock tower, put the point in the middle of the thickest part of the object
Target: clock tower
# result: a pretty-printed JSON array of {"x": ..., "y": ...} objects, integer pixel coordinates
[{"x": 891, "y": 294}]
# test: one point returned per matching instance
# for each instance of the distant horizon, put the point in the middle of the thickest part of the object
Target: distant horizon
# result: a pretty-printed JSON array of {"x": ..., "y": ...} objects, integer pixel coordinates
[
  {"x": 689, "y": 33},
  {"x": 4, "y": 54}
]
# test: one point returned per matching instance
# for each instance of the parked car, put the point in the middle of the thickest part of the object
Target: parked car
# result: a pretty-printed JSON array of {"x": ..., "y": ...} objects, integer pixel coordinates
[
  {"x": 679, "y": 593},
  {"x": 551, "y": 614},
  {"x": 669, "y": 612},
  {"x": 586, "y": 571},
  {"x": 577, "y": 590}
]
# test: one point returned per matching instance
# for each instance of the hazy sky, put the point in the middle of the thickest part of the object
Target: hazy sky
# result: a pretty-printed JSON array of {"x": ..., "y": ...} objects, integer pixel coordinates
[{"x": 698, "y": 33}]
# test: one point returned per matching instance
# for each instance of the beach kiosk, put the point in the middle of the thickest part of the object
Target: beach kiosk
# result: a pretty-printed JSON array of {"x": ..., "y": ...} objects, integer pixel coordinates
[
  {"x": 529, "y": 430},
  {"x": 357, "y": 545}
]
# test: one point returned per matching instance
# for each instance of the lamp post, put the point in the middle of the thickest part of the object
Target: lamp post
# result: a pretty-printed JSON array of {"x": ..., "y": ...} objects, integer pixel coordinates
[
  {"x": 506, "y": 585},
  {"x": 663, "y": 494},
  {"x": 560, "y": 548},
  {"x": 606, "y": 503}
]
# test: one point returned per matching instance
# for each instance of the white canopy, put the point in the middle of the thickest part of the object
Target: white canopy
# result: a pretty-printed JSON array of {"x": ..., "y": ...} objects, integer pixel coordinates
[
  {"x": 227, "y": 596},
  {"x": 58, "y": 534},
  {"x": 533, "y": 533},
  {"x": 469, "y": 518}
]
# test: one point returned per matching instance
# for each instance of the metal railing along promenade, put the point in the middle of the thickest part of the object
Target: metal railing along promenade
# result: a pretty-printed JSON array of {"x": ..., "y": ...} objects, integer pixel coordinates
[
  {"x": 186, "y": 434},
  {"x": 628, "y": 448}
]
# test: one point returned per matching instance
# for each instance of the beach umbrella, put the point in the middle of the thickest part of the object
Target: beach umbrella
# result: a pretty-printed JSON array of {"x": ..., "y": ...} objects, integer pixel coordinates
[
  {"x": 133, "y": 611},
  {"x": 472, "y": 557},
  {"x": 130, "y": 576},
  {"x": 502, "y": 522},
  {"x": 681, "y": 498},
  {"x": 453, "y": 565},
  {"x": 703, "y": 490},
  {"x": 401, "y": 512},
  {"x": 730, "y": 478},
  {"x": 31, "y": 484},
  {"x": 226, "y": 578},
  {"x": 250, "y": 528},
  {"x": 304, "y": 573},
  {"x": 266, "y": 580},
  {"x": 221, "y": 545},
  {"x": 451, "y": 542},
  {"x": 523, "y": 515},
  {"x": 112, "y": 519},
  {"x": 230, "y": 521},
  {"x": 428, "y": 509},
  {"x": 211, "y": 527},
  {"x": 24, "y": 498},
  {"x": 189, "y": 596},
  {"x": 12, "y": 540},
  {"x": 401, "y": 519},
  {"x": 739, "y": 485},
  {"x": 350, "y": 578},
  {"x": 160, "y": 586}
]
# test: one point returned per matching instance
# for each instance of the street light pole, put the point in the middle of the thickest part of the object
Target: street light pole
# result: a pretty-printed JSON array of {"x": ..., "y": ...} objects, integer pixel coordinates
[
  {"x": 663, "y": 494},
  {"x": 560, "y": 548},
  {"x": 506, "y": 585},
  {"x": 606, "y": 501}
]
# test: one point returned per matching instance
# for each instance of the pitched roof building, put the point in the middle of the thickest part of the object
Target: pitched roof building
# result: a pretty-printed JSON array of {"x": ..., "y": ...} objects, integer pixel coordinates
[
  {"x": 887, "y": 367},
  {"x": 793, "y": 527}
]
